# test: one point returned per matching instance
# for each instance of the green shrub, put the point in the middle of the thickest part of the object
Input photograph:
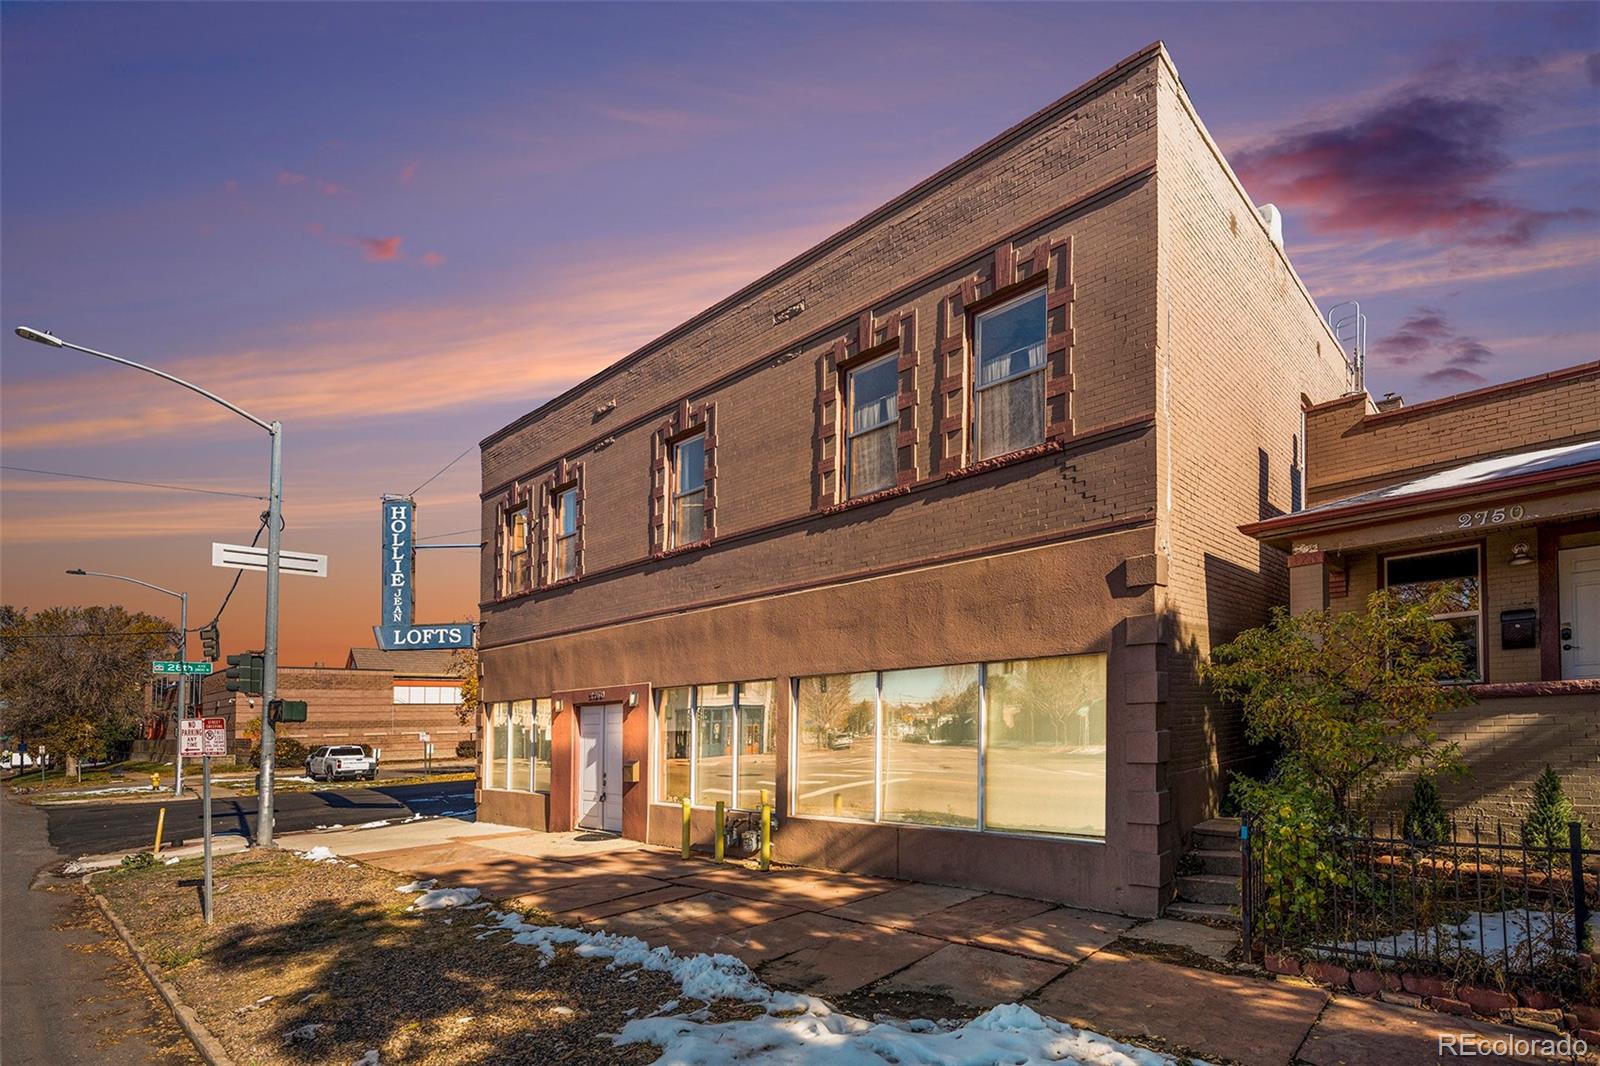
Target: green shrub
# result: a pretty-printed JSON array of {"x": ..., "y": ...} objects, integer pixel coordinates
[
  {"x": 1425, "y": 822},
  {"x": 286, "y": 751},
  {"x": 1291, "y": 822},
  {"x": 1545, "y": 828},
  {"x": 139, "y": 860},
  {"x": 466, "y": 749}
]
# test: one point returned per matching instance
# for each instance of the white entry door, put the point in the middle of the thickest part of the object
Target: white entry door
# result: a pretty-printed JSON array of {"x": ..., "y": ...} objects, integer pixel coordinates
[
  {"x": 600, "y": 767},
  {"x": 1580, "y": 612}
]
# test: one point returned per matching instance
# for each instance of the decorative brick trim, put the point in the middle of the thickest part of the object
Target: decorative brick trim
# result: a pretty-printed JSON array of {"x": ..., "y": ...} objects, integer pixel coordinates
[
  {"x": 685, "y": 420},
  {"x": 860, "y": 501},
  {"x": 566, "y": 474},
  {"x": 1306, "y": 559},
  {"x": 1056, "y": 257},
  {"x": 1018, "y": 456},
  {"x": 1571, "y": 687},
  {"x": 950, "y": 377},
  {"x": 872, "y": 338},
  {"x": 682, "y": 549},
  {"x": 499, "y": 556},
  {"x": 518, "y": 494}
]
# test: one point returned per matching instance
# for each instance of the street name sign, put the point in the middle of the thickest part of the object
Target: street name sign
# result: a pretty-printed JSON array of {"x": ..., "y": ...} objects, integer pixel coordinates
[
  {"x": 249, "y": 557},
  {"x": 201, "y": 737},
  {"x": 161, "y": 666}
]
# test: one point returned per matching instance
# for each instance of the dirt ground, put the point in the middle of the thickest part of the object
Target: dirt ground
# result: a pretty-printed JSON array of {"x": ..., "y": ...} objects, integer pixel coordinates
[{"x": 331, "y": 945}]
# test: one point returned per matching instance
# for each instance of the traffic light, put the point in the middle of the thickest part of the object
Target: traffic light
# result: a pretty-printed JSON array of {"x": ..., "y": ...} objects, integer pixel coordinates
[
  {"x": 246, "y": 672},
  {"x": 208, "y": 641},
  {"x": 287, "y": 710}
]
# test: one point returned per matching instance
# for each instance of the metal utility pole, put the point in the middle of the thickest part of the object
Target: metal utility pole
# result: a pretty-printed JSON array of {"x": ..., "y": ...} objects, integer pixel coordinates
[
  {"x": 183, "y": 655},
  {"x": 274, "y": 536}
]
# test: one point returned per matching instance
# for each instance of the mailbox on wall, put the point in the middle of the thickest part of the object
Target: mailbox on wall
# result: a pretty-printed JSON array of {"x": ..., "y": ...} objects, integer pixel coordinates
[
  {"x": 1519, "y": 628},
  {"x": 630, "y": 771}
]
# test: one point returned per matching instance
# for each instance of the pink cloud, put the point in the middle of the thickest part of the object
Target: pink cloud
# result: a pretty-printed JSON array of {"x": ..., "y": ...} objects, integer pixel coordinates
[
  {"x": 288, "y": 177},
  {"x": 432, "y": 259},
  {"x": 408, "y": 172},
  {"x": 381, "y": 249},
  {"x": 330, "y": 189}
]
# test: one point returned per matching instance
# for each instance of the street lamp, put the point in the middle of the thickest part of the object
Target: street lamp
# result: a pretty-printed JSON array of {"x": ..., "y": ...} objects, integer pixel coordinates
[
  {"x": 269, "y": 654},
  {"x": 183, "y": 654}
]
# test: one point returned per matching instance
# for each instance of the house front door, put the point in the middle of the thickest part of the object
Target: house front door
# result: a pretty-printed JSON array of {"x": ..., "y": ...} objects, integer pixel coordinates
[
  {"x": 1580, "y": 612},
  {"x": 600, "y": 767}
]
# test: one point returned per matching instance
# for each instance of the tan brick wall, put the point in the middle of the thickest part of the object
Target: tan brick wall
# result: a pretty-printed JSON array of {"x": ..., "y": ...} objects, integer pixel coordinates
[
  {"x": 1241, "y": 344},
  {"x": 1353, "y": 448}
]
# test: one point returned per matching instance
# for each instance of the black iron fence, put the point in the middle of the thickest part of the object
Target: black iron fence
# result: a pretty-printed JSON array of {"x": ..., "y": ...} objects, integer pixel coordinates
[{"x": 1478, "y": 905}]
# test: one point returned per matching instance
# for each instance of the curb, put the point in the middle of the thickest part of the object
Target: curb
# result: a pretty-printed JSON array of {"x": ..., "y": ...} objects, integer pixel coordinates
[{"x": 209, "y": 1047}]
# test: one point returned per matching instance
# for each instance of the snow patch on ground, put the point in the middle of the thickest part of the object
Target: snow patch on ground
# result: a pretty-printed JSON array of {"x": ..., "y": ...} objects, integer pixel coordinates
[
  {"x": 369, "y": 1059},
  {"x": 320, "y": 853},
  {"x": 797, "y": 1029},
  {"x": 372, "y": 825},
  {"x": 418, "y": 886},
  {"x": 440, "y": 898},
  {"x": 1528, "y": 937}
]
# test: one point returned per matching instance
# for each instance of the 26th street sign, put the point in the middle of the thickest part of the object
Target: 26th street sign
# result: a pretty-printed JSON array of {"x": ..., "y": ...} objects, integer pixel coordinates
[{"x": 165, "y": 667}]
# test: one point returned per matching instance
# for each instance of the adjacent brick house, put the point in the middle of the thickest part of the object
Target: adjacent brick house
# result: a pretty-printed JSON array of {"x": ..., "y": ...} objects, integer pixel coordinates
[
  {"x": 1495, "y": 494},
  {"x": 923, "y": 533}
]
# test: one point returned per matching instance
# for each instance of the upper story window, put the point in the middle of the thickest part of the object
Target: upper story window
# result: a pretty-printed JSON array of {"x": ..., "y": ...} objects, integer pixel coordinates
[
  {"x": 519, "y": 550},
  {"x": 689, "y": 490},
  {"x": 564, "y": 557},
  {"x": 1454, "y": 573},
  {"x": 870, "y": 456},
  {"x": 1009, "y": 341}
]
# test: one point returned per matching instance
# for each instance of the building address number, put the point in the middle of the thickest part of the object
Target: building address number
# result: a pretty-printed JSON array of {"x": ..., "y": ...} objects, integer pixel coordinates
[{"x": 1492, "y": 517}]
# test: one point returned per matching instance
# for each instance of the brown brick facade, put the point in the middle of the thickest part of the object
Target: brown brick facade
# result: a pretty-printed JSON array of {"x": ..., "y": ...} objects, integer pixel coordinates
[{"x": 1178, "y": 348}]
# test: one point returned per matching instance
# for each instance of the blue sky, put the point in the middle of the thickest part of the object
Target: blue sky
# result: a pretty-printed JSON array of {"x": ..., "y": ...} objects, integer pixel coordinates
[{"x": 380, "y": 222}]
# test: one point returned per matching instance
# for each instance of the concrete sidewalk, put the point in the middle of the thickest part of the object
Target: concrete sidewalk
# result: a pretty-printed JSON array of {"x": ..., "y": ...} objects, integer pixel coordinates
[{"x": 873, "y": 944}]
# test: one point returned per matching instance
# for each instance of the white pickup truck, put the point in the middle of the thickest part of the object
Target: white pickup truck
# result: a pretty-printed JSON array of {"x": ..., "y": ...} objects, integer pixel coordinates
[{"x": 342, "y": 760}]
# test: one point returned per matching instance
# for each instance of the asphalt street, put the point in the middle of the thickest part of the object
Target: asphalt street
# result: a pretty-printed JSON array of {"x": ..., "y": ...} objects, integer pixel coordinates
[{"x": 78, "y": 829}]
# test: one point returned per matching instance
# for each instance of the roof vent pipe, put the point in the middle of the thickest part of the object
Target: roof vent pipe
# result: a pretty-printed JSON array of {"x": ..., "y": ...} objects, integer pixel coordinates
[{"x": 1274, "y": 219}]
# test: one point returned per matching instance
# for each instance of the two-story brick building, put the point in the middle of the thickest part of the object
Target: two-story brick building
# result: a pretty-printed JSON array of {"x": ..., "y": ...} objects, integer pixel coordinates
[{"x": 924, "y": 532}]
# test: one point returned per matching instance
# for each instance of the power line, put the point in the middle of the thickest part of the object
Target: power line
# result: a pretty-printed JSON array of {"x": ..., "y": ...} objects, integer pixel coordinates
[
  {"x": 443, "y": 468},
  {"x": 237, "y": 574},
  {"x": 452, "y": 533},
  {"x": 125, "y": 481}
]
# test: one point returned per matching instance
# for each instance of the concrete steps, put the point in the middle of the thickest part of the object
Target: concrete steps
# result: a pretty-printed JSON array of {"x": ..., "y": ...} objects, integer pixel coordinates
[{"x": 1212, "y": 893}]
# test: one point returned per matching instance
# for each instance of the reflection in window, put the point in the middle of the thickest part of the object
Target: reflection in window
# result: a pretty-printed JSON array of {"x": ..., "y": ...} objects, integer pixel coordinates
[
  {"x": 564, "y": 556},
  {"x": 930, "y": 746},
  {"x": 1009, "y": 398},
  {"x": 758, "y": 752},
  {"x": 874, "y": 423},
  {"x": 519, "y": 553},
  {"x": 689, "y": 490},
  {"x": 835, "y": 746},
  {"x": 673, "y": 763},
  {"x": 541, "y": 746},
  {"x": 494, "y": 774},
  {"x": 519, "y": 768},
  {"x": 1454, "y": 575},
  {"x": 1046, "y": 753},
  {"x": 713, "y": 715}
]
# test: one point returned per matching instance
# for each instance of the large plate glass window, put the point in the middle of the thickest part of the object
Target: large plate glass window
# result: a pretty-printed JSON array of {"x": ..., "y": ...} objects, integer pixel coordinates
[
  {"x": 713, "y": 765},
  {"x": 674, "y": 736},
  {"x": 874, "y": 423},
  {"x": 519, "y": 553},
  {"x": 1454, "y": 573},
  {"x": 494, "y": 775},
  {"x": 836, "y": 746},
  {"x": 758, "y": 745},
  {"x": 930, "y": 746},
  {"x": 519, "y": 767},
  {"x": 564, "y": 557},
  {"x": 716, "y": 744},
  {"x": 1009, "y": 408},
  {"x": 1045, "y": 760},
  {"x": 689, "y": 490}
]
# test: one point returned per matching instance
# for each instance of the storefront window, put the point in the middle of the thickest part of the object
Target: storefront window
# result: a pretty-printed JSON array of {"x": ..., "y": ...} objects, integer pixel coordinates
[
  {"x": 713, "y": 716},
  {"x": 674, "y": 737},
  {"x": 1046, "y": 753},
  {"x": 541, "y": 745},
  {"x": 758, "y": 753},
  {"x": 494, "y": 775},
  {"x": 519, "y": 751},
  {"x": 1042, "y": 768},
  {"x": 835, "y": 746},
  {"x": 930, "y": 746}
]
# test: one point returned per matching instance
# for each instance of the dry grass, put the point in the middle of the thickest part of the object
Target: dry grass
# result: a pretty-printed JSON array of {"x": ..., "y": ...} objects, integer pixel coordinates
[{"x": 333, "y": 944}]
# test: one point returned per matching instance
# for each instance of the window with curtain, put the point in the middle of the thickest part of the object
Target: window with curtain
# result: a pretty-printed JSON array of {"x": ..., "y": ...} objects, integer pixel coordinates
[
  {"x": 1046, "y": 746},
  {"x": 1456, "y": 573},
  {"x": 1009, "y": 342},
  {"x": 874, "y": 423},
  {"x": 519, "y": 550},
  {"x": 758, "y": 752},
  {"x": 930, "y": 746},
  {"x": 835, "y": 745},
  {"x": 689, "y": 490},
  {"x": 564, "y": 554}
]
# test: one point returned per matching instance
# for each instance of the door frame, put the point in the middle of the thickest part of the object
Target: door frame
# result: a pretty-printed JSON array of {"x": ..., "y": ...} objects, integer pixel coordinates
[
  {"x": 1561, "y": 554},
  {"x": 568, "y": 703},
  {"x": 1550, "y": 592},
  {"x": 608, "y": 760}
]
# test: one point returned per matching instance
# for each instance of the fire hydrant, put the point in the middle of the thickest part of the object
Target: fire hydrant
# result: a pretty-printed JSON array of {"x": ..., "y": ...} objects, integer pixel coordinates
[{"x": 155, "y": 782}]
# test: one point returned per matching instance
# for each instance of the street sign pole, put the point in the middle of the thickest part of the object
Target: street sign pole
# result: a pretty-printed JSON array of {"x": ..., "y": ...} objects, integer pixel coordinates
[
  {"x": 183, "y": 688},
  {"x": 205, "y": 817},
  {"x": 269, "y": 670}
]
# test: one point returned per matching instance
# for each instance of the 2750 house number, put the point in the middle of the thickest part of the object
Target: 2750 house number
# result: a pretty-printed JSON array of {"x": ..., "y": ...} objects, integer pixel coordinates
[{"x": 1492, "y": 517}]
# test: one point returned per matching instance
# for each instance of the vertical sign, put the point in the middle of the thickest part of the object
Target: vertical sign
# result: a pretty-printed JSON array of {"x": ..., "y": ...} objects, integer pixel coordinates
[{"x": 399, "y": 521}]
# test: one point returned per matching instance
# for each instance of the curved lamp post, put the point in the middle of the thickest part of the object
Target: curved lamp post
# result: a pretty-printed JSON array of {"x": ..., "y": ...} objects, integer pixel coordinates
[
  {"x": 183, "y": 653},
  {"x": 269, "y": 681}
]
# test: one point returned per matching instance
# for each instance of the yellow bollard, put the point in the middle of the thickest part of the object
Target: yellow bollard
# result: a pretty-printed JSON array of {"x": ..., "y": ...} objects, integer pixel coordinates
[
  {"x": 766, "y": 836},
  {"x": 720, "y": 843},
  {"x": 838, "y": 804},
  {"x": 161, "y": 823},
  {"x": 686, "y": 827}
]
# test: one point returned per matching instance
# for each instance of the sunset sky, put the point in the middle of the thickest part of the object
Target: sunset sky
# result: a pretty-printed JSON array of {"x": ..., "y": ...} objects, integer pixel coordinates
[{"x": 397, "y": 227}]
